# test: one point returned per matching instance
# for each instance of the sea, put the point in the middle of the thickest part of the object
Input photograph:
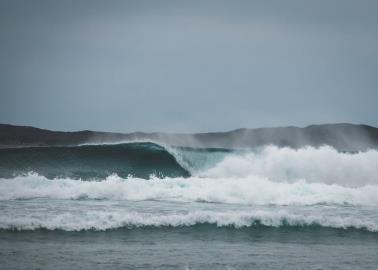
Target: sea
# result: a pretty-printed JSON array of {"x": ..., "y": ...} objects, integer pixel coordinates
[{"x": 144, "y": 205}]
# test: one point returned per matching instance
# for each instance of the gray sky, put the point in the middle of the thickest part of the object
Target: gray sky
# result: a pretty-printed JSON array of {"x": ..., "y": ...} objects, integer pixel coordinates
[{"x": 187, "y": 66}]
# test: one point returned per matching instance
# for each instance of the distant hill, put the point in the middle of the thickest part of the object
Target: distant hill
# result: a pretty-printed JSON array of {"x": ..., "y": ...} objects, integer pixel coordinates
[{"x": 344, "y": 137}]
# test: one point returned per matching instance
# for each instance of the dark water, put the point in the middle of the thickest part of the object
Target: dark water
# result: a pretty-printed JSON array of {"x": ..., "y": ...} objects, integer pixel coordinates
[
  {"x": 91, "y": 161},
  {"x": 196, "y": 247}
]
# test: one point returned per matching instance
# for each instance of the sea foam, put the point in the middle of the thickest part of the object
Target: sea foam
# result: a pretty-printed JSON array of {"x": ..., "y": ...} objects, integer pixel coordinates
[
  {"x": 248, "y": 190},
  {"x": 272, "y": 178},
  {"x": 96, "y": 220},
  {"x": 316, "y": 165}
]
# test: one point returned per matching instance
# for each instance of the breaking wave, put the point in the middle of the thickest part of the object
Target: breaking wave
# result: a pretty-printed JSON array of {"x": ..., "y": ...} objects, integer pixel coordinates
[
  {"x": 92, "y": 220},
  {"x": 252, "y": 190},
  {"x": 315, "y": 165},
  {"x": 91, "y": 161},
  {"x": 146, "y": 172},
  {"x": 146, "y": 160}
]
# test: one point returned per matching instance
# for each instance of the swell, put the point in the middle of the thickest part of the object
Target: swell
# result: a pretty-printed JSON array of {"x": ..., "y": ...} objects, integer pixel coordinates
[{"x": 91, "y": 161}]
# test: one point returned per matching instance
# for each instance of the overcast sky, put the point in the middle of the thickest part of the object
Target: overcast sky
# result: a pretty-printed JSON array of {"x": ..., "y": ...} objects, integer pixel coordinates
[{"x": 187, "y": 66}]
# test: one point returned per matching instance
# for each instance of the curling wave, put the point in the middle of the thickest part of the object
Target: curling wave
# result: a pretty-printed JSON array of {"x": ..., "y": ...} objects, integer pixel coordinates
[
  {"x": 143, "y": 160},
  {"x": 91, "y": 161}
]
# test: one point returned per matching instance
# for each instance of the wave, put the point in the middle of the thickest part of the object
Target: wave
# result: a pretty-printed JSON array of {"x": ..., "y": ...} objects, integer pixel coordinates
[
  {"x": 91, "y": 161},
  {"x": 94, "y": 220},
  {"x": 146, "y": 160},
  {"x": 252, "y": 190},
  {"x": 314, "y": 165},
  {"x": 326, "y": 188}
]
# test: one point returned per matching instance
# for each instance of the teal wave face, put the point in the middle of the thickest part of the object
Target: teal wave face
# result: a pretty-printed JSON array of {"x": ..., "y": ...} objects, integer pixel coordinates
[{"x": 91, "y": 161}]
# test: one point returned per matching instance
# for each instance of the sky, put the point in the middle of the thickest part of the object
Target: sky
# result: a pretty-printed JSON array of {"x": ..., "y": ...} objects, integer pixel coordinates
[{"x": 187, "y": 66}]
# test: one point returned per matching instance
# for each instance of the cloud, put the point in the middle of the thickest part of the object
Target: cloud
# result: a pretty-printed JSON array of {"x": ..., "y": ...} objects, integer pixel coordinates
[{"x": 187, "y": 66}]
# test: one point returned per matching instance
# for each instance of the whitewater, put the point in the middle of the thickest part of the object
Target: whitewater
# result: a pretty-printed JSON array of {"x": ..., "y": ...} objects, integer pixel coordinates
[{"x": 270, "y": 186}]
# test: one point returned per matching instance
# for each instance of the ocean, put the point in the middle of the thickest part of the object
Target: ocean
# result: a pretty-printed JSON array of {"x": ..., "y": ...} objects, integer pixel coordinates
[{"x": 143, "y": 205}]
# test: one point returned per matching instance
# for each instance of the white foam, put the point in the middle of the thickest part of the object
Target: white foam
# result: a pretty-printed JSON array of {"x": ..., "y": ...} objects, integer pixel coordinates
[
  {"x": 308, "y": 178},
  {"x": 250, "y": 190},
  {"x": 315, "y": 165},
  {"x": 111, "y": 220}
]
